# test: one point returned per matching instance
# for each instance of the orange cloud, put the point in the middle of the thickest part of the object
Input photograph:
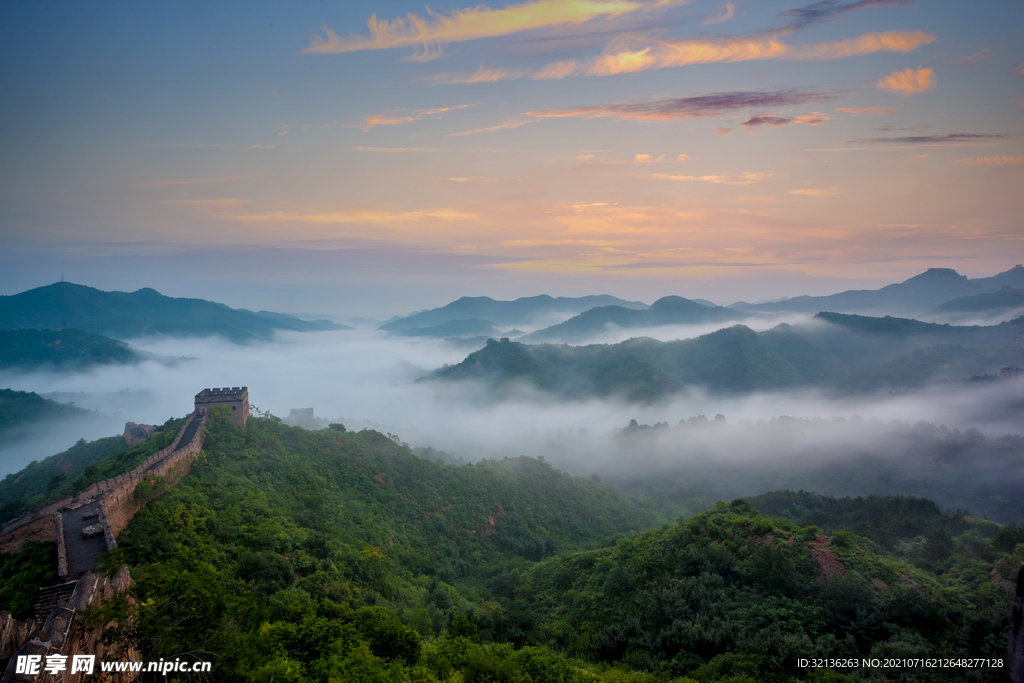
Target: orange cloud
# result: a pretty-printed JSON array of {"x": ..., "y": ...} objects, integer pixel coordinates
[
  {"x": 354, "y": 214},
  {"x": 816, "y": 193},
  {"x": 992, "y": 161},
  {"x": 481, "y": 75},
  {"x": 668, "y": 53},
  {"x": 513, "y": 123},
  {"x": 745, "y": 178},
  {"x": 647, "y": 159},
  {"x": 908, "y": 82},
  {"x": 471, "y": 23},
  {"x": 397, "y": 149},
  {"x": 385, "y": 118},
  {"x": 869, "y": 110},
  {"x": 723, "y": 131}
]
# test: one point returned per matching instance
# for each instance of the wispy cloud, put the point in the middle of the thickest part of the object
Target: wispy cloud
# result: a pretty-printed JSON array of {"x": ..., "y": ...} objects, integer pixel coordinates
[
  {"x": 991, "y": 161},
  {"x": 471, "y": 23},
  {"x": 878, "y": 110},
  {"x": 721, "y": 16},
  {"x": 513, "y": 123},
  {"x": 387, "y": 118},
  {"x": 202, "y": 146},
  {"x": 481, "y": 75},
  {"x": 714, "y": 104},
  {"x": 647, "y": 159},
  {"x": 343, "y": 214},
  {"x": 746, "y": 178},
  {"x": 815, "y": 119},
  {"x": 632, "y": 54},
  {"x": 723, "y": 131},
  {"x": 908, "y": 82},
  {"x": 933, "y": 139},
  {"x": 196, "y": 181},
  {"x": 827, "y": 10},
  {"x": 816, "y": 193},
  {"x": 397, "y": 149}
]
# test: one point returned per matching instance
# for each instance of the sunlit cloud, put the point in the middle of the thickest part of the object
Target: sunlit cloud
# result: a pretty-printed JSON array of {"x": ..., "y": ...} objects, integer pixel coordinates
[
  {"x": 746, "y": 178},
  {"x": 513, "y": 123},
  {"x": 481, "y": 75},
  {"x": 386, "y": 118},
  {"x": 213, "y": 204},
  {"x": 877, "y": 110},
  {"x": 197, "y": 181},
  {"x": 474, "y": 181},
  {"x": 632, "y": 54},
  {"x": 714, "y": 104},
  {"x": 991, "y": 161},
  {"x": 471, "y": 23},
  {"x": 647, "y": 159},
  {"x": 723, "y": 131},
  {"x": 816, "y": 193},
  {"x": 282, "y": 130},
  {"x": 341, "y": 214},
  {"x": 721, "y": 16},
  {"x": 815, "y": 119},
  {"x": 908, "y": 82}
]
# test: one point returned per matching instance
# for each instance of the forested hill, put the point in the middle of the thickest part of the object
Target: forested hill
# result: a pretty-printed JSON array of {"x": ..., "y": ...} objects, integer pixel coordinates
[
  {"x": 146, "y": 312},
  {"x": 847, "y": 353},
  {"x": 64, "y": 349},
  {"x": 334, "y": 556},
  {"x": 19, "y": 408}
]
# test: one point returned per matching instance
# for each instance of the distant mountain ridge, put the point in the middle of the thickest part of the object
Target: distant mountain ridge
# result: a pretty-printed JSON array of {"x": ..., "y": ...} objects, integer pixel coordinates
[
  {"x": 126, "y": 315},
  {"x": 919, "y": 294},
  {"x": 521, "y": 311},
  {"x": 668, "y": 310},
  {"x": 843, "y": 353}
]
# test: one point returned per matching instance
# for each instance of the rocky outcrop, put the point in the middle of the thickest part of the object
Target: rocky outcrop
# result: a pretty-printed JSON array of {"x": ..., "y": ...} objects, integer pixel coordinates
[
  {"x": 13, "y": 633},
  {"x": 65, "y": 634},
  {"x": 136, "y": 433}
]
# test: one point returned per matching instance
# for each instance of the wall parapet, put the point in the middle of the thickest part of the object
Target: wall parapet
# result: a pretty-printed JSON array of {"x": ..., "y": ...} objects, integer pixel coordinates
[{"x": 17, "y": 531}]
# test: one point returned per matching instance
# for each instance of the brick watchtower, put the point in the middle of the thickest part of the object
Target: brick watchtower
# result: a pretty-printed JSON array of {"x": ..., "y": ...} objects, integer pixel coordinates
[{"x": 235, "y": 398}]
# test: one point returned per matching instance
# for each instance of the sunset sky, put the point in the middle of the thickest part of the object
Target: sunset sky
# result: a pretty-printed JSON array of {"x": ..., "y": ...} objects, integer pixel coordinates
[{"x": 357, "y": 158}]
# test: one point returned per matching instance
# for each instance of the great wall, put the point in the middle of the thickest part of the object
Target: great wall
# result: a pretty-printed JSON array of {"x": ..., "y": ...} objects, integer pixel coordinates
[{"x": 84, "y": 527}]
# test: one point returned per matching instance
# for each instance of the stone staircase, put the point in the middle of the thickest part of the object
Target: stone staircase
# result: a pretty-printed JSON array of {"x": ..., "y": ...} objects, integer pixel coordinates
[{"x": 51, "y": 595}]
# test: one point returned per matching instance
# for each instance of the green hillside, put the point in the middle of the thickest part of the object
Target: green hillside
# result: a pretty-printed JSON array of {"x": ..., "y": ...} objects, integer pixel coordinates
[
  {"x": 290, "y": 555},
  {"x": 734, "y": 594},
  {"x": 21, "y": 409},
  {"x": 67, "y": 349}
]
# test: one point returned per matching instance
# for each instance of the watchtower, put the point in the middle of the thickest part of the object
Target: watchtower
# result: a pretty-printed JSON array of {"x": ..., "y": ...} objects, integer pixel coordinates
[{"x": 235, "y": 398}]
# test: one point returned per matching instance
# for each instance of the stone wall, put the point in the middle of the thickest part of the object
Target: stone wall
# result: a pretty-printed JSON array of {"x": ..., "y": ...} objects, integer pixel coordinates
[
  {"x": 64, "y": 634},
  {"x": 40, "y": 525}
]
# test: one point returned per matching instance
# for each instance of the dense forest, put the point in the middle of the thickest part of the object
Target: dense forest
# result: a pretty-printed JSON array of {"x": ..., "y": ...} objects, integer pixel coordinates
[{"x": 290, "y": 555}]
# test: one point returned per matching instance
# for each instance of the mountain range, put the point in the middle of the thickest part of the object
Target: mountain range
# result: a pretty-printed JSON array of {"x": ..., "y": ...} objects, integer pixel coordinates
[
  {"x": 845, "y": 353},
  {"x": 146, "y": 312},
  {"x": 915, "y": 296}
]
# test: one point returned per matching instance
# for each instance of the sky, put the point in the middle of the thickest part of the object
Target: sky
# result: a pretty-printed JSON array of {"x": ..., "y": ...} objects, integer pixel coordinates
[{"x": 378, "y": 158}]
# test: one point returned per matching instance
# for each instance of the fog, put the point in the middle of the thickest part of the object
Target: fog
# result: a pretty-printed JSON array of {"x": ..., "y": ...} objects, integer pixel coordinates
[{"x": 367, "y": 378}]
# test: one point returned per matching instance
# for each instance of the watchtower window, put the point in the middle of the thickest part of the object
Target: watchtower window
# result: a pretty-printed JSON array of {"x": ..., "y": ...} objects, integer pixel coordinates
[{"x": 234, "y": 407}]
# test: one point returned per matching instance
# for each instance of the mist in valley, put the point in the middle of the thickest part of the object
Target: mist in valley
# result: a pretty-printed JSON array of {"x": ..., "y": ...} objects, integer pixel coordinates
[{"x": 369, "y": 379}]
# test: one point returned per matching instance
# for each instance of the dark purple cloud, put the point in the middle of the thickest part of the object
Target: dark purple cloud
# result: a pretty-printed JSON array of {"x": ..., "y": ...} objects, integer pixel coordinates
[
  {"x": 829, "y": 9},
  {"x": 714, "y": 104},
  {"x": 926, "y": 139}
]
